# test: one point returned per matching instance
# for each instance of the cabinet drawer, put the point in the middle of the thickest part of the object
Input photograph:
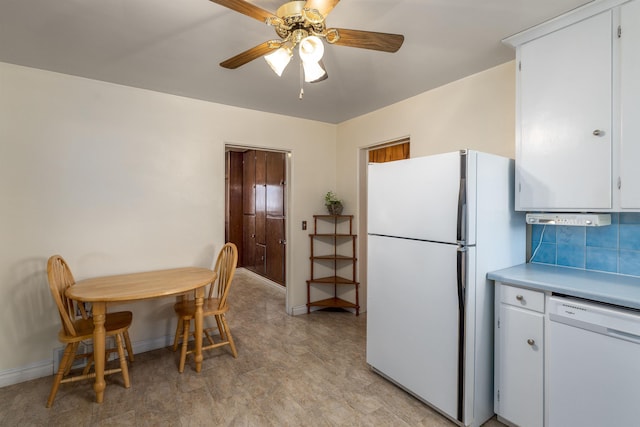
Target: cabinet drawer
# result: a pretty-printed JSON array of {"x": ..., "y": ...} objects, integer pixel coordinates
[{"x": 525, "y": 298}]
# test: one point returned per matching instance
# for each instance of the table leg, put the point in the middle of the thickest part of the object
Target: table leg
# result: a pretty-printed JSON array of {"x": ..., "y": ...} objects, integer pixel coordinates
[
  {"x": 198, "y": 328},
  {"x": 99, "y": 334}
]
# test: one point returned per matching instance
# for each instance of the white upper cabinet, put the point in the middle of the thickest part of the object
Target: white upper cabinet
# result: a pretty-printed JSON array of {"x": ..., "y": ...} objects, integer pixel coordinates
[
  {"x": 630, "y": 105},
  {"x": 565, "y": 100},
  {"x": 577, "y": 110}
]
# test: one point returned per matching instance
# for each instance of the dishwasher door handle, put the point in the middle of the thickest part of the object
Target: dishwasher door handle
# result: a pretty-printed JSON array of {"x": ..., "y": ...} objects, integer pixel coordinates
[{"x": 623, "y": 335}]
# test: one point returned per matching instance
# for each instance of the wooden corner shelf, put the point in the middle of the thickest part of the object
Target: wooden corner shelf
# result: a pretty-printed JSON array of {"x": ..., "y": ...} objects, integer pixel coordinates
[{"x": 333, "y": 236}]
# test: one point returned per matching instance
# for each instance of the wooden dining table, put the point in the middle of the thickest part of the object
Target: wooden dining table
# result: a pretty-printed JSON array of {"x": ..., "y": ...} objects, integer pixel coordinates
[{"x": 101, "y": 291}]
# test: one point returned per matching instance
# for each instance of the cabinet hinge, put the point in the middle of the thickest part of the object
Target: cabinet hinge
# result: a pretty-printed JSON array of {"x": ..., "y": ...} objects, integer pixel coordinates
[
  {"x": 619, "y": 31},
  {"x": 619, "y": 183},
  {"x": 519, "y": 187},
  {"x": 519, "y": 65},
  {"x": 498, "y": 396},
  {"x": 498, "y": 323}
]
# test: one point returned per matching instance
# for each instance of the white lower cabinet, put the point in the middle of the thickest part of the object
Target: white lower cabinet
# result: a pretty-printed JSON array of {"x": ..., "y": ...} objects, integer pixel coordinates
[{"x": 519, "y": 355}]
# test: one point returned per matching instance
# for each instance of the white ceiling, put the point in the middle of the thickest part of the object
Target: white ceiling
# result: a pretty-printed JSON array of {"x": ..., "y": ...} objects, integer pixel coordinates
[{"x": 175, "y": 46}]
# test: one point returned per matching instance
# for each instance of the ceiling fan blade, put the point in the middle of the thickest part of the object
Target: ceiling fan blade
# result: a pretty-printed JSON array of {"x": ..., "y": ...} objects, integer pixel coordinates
[
  {"x": 322, "y": 6},
  {"x": 251, "y": 54},
  {"x": 246, "y": 8},
  {"x": 366, "y": 39}
]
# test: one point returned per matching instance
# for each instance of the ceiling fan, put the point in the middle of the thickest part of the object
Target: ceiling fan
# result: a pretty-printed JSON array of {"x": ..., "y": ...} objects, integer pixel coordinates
[{"x": 302, "y": 23}]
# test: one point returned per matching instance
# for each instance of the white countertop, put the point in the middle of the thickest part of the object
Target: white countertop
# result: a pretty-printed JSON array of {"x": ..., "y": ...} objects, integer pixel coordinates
[{"x": 604, "y": 287}]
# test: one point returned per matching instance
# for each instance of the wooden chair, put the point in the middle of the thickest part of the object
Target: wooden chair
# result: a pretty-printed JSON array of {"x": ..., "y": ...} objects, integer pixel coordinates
[
  {"x": 215, "y": 304},
  {"x": 77, "y": 326}
]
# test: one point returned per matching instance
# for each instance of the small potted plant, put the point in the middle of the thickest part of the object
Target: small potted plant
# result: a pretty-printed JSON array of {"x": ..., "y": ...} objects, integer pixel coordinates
[{"x": 333, "y": 204}]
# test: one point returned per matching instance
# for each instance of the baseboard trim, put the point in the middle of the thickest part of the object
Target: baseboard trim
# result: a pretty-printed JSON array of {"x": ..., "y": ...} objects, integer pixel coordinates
[
  {"x": 301, "y": 309},
  {"x": 26, "y": 373},
  {"x": 270, "y": 283},
  {"x": 45, "y": 368}
]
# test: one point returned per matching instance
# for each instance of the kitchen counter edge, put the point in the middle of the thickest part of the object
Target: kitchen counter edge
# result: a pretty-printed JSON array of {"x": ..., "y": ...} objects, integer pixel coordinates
[{"x": 593, "y": 285}]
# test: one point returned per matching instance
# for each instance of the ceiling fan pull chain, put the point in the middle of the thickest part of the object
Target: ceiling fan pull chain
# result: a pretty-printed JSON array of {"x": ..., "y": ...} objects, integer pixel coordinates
[{"x": 301, "y": 81}]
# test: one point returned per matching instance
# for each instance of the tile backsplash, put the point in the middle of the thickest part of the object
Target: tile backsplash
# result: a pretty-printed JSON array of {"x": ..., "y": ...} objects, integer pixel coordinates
[{"x": 613, "y": 248}]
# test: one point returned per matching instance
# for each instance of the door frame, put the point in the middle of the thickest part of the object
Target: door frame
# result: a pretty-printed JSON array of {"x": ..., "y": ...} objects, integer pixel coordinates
[{"x": 287, "y": 222}]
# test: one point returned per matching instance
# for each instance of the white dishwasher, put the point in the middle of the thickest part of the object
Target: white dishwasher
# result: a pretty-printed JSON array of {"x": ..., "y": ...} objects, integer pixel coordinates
[{"x": 594, "y": 364}]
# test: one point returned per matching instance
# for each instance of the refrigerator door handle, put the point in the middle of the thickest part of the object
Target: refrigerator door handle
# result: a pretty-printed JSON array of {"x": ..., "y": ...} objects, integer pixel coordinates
[
  {"x": 462, "y": 280},
  {"x": 461, "y": 234}
]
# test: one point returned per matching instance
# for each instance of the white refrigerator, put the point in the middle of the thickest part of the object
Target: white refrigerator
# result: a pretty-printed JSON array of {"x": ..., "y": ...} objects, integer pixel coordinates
[{"x": 436, "y": 226}]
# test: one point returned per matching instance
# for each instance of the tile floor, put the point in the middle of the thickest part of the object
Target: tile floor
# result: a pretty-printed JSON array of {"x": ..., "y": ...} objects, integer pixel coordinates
[{"x": 306, "y": 370}]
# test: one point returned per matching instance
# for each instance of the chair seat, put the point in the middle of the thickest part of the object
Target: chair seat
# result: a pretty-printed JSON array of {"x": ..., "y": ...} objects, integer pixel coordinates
[
  {"x": 115, "y": 323},
  {"x": 210, "y": 306}
]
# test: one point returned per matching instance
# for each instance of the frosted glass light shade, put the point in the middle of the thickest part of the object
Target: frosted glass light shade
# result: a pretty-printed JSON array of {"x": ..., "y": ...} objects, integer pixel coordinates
[
  {"x": 279, "y": 59},
  {"x": 311, "y": 49},
  {"x": 314, "y": 72}
]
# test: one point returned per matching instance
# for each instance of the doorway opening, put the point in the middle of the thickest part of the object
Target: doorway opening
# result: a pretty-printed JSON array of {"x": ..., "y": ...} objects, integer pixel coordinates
[
  {"x": 389, "y": 152},
  {"x": 255, "y": 211}
]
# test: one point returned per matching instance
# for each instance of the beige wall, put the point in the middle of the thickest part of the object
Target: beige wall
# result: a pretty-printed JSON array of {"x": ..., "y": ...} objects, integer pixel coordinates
[
  {"x": 117, "y": 179},
  {"x": 477, "y": 112}
]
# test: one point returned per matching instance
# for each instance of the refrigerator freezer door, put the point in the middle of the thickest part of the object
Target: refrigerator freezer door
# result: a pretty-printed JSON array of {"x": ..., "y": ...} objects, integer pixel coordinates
[
  {"x": 412, "y": 318},
  {"x": 415, "y": 198}
]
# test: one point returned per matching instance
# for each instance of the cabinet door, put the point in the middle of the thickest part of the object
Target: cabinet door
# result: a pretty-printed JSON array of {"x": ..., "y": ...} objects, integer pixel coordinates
[
  {"x": 249, "y": 241},
  {"x": 261, "y": 197},
  {"x": 275, "y": 250},
  {"x": 563, "y": 157},
  {"x": 275, "y": 171},
  {"x": 261, "y": 259},
  {"x": 249, "y": 182},
  {"x": 520, "y": 367},
  {"x": 630, "y": 109}
]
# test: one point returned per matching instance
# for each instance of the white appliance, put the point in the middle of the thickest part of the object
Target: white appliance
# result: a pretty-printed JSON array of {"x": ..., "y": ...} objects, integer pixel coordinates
[
  {"x": 576, "y": 219},
  {"x": 436, "y": 226},
  {"x": 594, "y": 374}
]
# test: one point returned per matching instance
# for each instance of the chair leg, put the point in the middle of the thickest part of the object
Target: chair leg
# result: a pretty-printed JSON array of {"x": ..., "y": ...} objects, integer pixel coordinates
[
  {"x": 209, "y": 337},
  {"x": 87, "y": 367},
  {"x": 185, "y": 341},
  {"x": 123, "y": 362},
  {"x": 220, "y": 328},
  {"x": 69, "y": 364},
  {"x": 229, "y": 337},
  {"x": 177, "y": 337},
  {"x": 127, "y": 343},
  {"x": 68, "y": 355}
]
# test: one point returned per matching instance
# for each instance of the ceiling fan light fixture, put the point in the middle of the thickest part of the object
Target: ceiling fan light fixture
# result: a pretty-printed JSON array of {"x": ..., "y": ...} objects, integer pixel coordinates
[
  {"x": 279, "y": 59},
  {"x": 314, "y": 72},
  {"x": 311, "y": 49}
]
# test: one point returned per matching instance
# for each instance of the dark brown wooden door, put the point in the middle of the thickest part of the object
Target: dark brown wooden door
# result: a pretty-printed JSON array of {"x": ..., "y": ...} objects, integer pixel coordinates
[
  {"x": 261, "y": 259},
  {"x": 275, "y": 232},
  {"x": 249, "y": 182},
  {"x": 263, "y": 213},
  {"x": 249, "y": 241},
  {"x": 234, "y": 195},
  {"x": 275, "y": 184},
  {"x": 261, "y": 197},
  {"x": 275, "y": 250},
  {"x": 248, "y": 208}
]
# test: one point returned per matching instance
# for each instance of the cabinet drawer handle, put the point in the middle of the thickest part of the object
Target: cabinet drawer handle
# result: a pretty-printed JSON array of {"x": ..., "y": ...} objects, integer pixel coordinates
[
  {"x": 519, "y": 297},
  {"x": 530, "y": 341},
  {"x": 598, "y": 132}
]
